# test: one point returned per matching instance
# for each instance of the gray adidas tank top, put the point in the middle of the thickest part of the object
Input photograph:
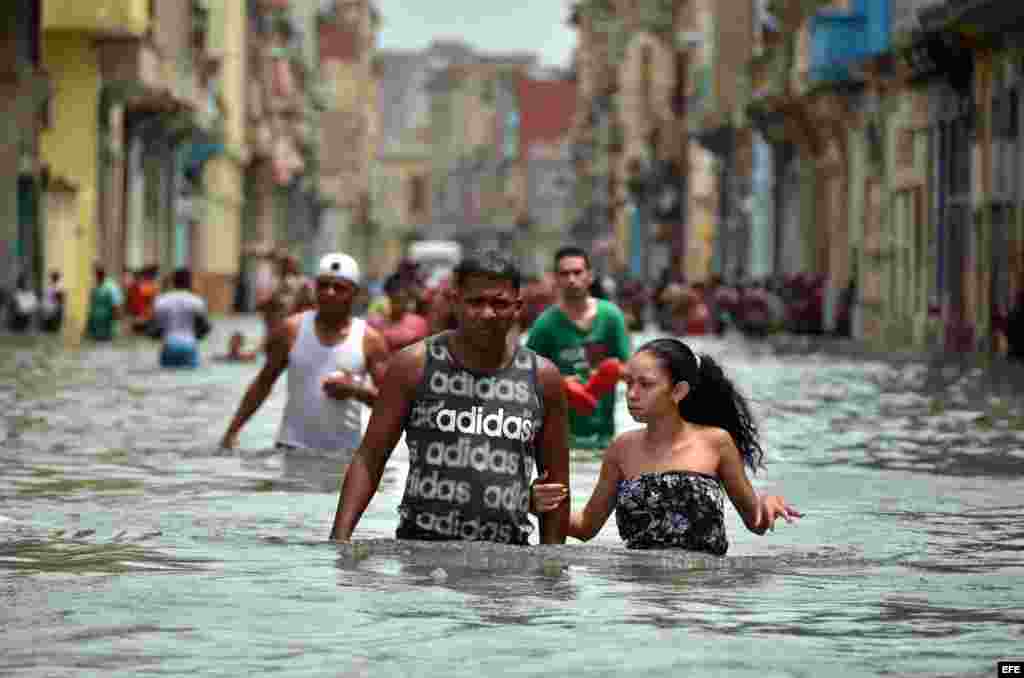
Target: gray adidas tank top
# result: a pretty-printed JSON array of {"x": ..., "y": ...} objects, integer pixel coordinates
[{"x": 471, "y": 439}]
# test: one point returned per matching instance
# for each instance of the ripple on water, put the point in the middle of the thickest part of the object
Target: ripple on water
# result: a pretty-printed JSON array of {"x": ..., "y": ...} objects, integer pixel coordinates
[
  {"x": 555, "y": 559},
  {"x": 63, "y": 487},
  {"x": 71, "y": 556}
]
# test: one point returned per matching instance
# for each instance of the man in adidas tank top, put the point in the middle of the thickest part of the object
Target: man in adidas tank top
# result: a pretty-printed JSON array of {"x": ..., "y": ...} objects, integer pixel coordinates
[
  {"x": 327, "y": 353},
  {"x": 478, "y": 412}
]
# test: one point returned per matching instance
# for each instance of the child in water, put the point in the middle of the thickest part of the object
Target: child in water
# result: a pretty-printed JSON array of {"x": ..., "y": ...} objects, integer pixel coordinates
[
  {"x": 666, "y": 481},
  {"x": 235, "y": 353}
]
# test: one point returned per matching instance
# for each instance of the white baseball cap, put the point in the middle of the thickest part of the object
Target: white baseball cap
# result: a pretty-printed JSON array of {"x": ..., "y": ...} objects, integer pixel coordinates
[{"x": 341, "y": 266}]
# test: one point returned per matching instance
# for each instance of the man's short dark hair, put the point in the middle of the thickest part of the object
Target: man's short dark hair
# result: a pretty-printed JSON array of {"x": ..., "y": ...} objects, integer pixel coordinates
[
  {"x": 490, "y": 263},
  {"x": 182, "y": 279},
  {"x": 394, "y": 283},
  {"x": 572, "y": 251}
]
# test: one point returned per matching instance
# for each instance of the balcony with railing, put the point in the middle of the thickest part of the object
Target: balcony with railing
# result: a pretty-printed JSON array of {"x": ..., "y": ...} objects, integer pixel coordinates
[{"x": 98, "y": 18}]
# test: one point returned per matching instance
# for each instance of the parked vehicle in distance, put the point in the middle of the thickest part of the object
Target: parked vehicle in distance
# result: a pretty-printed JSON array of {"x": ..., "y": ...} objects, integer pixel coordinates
[{"x": 436, "y": 258}]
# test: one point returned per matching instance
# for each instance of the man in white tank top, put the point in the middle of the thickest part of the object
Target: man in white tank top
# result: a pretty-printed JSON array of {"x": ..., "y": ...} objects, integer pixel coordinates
[{"x": 327, "y": 353}]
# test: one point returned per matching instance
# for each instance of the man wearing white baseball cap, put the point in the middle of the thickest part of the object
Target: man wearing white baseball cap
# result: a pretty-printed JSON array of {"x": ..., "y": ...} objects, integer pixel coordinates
[{"x": 327, "y": 353}]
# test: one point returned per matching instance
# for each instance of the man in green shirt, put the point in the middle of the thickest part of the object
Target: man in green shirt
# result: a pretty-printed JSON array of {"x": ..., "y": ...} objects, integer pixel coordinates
[
  {"x": 105, "y": 304},
  {"x": 577, "y": 325}
]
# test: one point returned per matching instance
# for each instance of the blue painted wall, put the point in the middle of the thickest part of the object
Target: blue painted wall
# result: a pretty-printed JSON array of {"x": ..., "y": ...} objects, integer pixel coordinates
[{"x": 842, "y": 38}]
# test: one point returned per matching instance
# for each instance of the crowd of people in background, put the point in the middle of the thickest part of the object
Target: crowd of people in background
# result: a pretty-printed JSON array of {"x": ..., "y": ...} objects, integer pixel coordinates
[
  {"x": 407, "y": 308},
  {"x": 142, "y": 304},
  {"x": 410, "y": 303},
  {"x": 794, "y": 304},
  {"x": 27, "y": 310}
]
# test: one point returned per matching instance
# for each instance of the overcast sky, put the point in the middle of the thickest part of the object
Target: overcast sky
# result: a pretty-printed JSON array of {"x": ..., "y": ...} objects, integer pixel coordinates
[{"x": 491, "y": 25}]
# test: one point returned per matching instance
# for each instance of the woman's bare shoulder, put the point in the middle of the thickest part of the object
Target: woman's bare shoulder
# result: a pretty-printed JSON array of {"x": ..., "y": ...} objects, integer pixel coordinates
[
  {"x": 712, "y": 434},
  {"x": 623, "y": 443},
  {"x": 718, "y": 442}
]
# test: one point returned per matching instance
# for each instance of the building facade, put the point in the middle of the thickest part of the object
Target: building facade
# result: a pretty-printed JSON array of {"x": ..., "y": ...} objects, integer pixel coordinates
[
  {"x": 477, "y": 176},
  {"x": 890, "y": 162},
  {"x": 546, "y": 109},
  {"x": 164, "y": 133},
  {"x": 642, "y": 184},
  {"x": 24, "y": 111},
  {"x": 73, "y": 39},
  {"x": 348, "y": 142},
  {"x": 401, "y": 185},
  {"x": 284, "y": 106}
]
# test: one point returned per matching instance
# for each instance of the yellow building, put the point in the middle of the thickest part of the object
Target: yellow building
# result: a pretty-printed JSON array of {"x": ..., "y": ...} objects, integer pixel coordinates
[
  {"x": 218, "y": 250},
  {"x": 70, "y": 145}
]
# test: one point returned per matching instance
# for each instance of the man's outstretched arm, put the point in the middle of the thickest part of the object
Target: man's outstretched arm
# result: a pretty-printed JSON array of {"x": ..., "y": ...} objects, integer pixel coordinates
[
  {"x": 554, "y": 451},
  {"x": 382, "y": 434},
  {"x": 279, "y": 345}
]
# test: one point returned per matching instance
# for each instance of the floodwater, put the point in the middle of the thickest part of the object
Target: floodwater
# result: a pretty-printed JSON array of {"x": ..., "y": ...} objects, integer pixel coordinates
[{"x": 130, "y": 545}]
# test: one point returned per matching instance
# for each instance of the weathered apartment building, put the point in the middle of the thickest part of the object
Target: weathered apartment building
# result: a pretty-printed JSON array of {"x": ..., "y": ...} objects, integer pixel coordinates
[
  {"x": 180, "y": 133},
  {"x": 875, "y": 143},
  {"x": 473, "y": 149}
]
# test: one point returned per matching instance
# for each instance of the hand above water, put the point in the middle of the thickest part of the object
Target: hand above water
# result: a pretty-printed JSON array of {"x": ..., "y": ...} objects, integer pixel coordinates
[
  {"x": 545, "y": 497},
  {"x": 342, "y": 385},
  {"x": 773, "y": 507}
]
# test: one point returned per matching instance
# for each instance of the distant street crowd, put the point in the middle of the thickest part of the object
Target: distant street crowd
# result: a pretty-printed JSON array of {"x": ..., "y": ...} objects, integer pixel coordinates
[{"x": 410, "y": 304}]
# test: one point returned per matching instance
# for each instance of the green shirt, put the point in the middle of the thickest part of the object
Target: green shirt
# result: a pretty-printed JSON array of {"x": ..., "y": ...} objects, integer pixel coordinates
[
  {"x": 105, "y": 298},
  {"x": 560, "y": 340}
]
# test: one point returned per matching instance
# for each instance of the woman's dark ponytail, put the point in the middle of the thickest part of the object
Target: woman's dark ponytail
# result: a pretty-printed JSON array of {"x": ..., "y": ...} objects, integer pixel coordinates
[{"x": 713, "y": 399}]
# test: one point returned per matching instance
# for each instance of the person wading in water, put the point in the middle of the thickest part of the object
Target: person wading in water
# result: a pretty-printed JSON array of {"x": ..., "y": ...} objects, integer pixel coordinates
[
  {"x": 667, "y": 481},
  {"x": 578, "y": 325},
  {"x": 327, "y": 352},
  {"x": 478, "y": 411}
]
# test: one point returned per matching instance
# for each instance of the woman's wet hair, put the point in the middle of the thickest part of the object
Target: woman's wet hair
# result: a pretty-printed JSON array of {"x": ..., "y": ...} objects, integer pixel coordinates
[
  {"x": 489, "y": 263},
  {"x": 713, "y": 399}
]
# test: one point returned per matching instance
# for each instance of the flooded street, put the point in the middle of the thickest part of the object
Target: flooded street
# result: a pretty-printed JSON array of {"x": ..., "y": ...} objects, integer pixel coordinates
[{"x": 131, "y": 545}]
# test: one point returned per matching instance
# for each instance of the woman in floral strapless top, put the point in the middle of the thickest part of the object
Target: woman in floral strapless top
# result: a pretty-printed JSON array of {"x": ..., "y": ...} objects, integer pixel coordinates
[
  {"x": 672, "y": 509},
  {"x": 666, "y": 482}
]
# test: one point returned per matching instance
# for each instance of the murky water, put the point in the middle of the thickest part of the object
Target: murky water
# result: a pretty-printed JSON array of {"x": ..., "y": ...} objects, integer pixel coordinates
[{"x": 129, "y": 545}]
